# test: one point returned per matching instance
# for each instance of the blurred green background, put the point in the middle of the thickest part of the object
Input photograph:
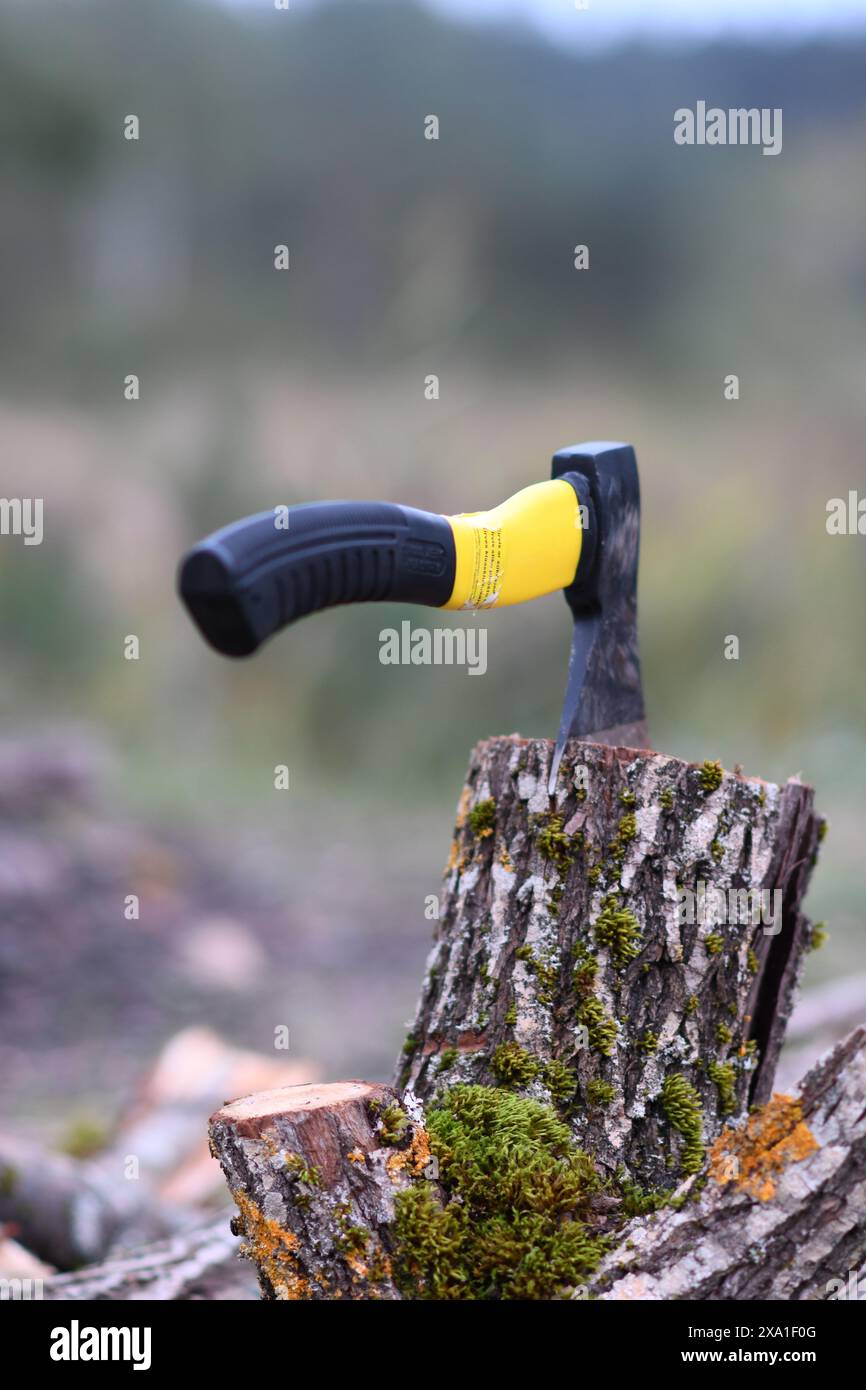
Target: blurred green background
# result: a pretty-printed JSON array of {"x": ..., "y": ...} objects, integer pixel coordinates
[{"x": 411, "y": 257}]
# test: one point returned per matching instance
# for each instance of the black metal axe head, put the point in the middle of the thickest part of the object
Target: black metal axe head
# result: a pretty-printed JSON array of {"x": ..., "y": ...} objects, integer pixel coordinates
[{"x": 603, "y": 698}]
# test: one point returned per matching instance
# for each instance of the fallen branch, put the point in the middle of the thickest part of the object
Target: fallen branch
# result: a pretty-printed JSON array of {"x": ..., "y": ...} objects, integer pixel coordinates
[
  {"x": 199, "y": 1264},
  {"x": 70, "y": 1212},
  {"x": 783, "y": 1215}
]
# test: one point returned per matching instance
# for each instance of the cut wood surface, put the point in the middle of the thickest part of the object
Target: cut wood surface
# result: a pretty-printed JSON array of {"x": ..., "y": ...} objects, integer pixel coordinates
[{"x": 599, "y": 961}]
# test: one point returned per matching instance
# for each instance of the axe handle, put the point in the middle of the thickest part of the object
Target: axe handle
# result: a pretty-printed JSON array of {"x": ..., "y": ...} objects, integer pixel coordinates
[{"x": 245, "y": 582}]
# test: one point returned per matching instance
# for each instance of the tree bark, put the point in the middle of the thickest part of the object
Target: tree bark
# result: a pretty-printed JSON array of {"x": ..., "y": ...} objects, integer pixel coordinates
[
  {"x": 568, "y": 968},
  {"x": 315, "y": 1186},
  {"x": 528, "y": 944},
  {"x": 783, "y": 1215}
]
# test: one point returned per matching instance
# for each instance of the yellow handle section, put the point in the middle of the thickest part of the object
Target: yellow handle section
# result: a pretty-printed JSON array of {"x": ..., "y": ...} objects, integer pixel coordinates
[{"x": 526, "y": 547}]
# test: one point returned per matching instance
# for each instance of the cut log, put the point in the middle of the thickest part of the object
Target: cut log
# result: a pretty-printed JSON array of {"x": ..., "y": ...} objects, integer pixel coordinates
[
  {"x": 564, "y": 962},
  {"x": 315, "y": 1186},
  {"x": 783, "y": 1214},
  {"x": 69, "y": 1212},
  {"x": 192, "y": 1265},
  {"x": 606, "y": 967}
]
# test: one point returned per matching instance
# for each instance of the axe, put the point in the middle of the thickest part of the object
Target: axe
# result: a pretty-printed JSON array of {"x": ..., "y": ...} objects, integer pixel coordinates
[{"x": 578, "y": 532}]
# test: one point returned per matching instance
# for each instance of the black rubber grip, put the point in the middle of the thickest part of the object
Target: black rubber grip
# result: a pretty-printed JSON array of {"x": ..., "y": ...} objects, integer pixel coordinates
[{"x": 245, "y": 582}]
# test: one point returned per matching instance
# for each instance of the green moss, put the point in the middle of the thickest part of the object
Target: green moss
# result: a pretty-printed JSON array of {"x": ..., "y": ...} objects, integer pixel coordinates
[
  {"x": 516, "y": 1192},
  {"x": 666, "y": 799},
  {"x": 482, "y": 818},
  {"x": 545, "y": 970},
  {"x": 640, "y": 1201},
  {"x": 723, "y": 1076},
  {"x": 560, "y": 1081},
  {"x": 593, "y": 874},
  {"x": 752, "y": 962},
  {"x": 649, "y": 1042},
  {"x": 511, "y": 1016},
  {"x": 618, "y": 931},
  {"x": 714, "y": 943},
  {"x": 84, "y": 1138},
  {"x": 627, "y": 798},
  {"x": 599, "y": 1092},
  {"x": 584, "y": 975},
  {"x": 626, "y": 832},
  {"x": 691, "y": 1005},
  {"x": 554, "y": 845},
  {"x": 352, "y": 1240},
  {"x": 306, "y": 1174},
  {"x": 723, "y": 1033},
  {"x": 448, "y": 1058},
  {"x": 819, "y": 936},
  {"x": 394, "y": 1123},
  {"x": 710, "y": 776},
  {"x": 682, "y": 1105},
  {"x": 600, "y": 1027},
  {"x": 717, "y": 850},
  {"x": 513, "y": 1065},
  {"x": 823, "y": 827},
  {"x": 410, "y": 1046}
]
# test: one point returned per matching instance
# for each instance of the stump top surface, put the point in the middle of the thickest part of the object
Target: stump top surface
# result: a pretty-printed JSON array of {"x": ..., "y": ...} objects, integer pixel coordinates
[{"x": 295, "y": 1100}]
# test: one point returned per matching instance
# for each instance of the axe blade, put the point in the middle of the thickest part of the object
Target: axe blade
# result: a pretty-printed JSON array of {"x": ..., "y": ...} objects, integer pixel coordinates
[{"x": 603, "y": 698}]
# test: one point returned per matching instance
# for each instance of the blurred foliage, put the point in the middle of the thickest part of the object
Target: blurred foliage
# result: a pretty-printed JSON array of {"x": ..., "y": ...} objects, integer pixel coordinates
[{"x": 410, "y": 257}]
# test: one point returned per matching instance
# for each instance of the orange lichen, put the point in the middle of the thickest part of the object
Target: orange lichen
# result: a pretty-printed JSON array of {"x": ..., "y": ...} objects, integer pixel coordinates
[
  {"x": 420, "y": 1151},
  {"x": 356, "y": 1156},
  {"x": 272, "y": 1248},
  {"x": 752, "y": 1157},
  {"x": 414, "y": 1158}
]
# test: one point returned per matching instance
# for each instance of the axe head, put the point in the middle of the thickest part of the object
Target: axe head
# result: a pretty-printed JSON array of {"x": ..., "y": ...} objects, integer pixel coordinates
[{"x": 603, "y": 698}]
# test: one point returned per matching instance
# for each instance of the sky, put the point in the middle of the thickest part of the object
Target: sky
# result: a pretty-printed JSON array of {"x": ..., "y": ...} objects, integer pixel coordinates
[{"x": 608, "y": 21}]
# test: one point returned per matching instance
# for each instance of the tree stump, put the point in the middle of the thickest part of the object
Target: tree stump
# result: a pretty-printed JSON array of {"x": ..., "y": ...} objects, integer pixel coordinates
[
  {"x": 561, "y": 960},
  {"x": 608, "y": 988},
  {"x": 315, "y": 1186}
]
